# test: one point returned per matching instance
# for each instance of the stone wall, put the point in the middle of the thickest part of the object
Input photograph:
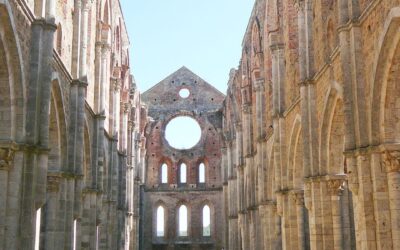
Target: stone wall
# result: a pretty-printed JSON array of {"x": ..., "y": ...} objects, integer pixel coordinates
[
  {"x": 70, "y": 127},
  {"x": 204, "y": 105},
  {"x": 310, "y": 128}
]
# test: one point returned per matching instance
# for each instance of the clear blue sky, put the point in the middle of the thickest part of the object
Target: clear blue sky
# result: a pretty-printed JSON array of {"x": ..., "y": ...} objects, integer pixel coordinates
[{"x": 203, "y": 35}]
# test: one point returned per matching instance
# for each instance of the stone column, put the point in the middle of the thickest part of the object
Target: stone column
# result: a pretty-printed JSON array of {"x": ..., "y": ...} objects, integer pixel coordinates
[
  {"x": 116, "y": 90},
  {"x": 298, "y": 200},
  {"x": 335, "y": 189},
  {"x": 392, "y": 164},
  {"x": 6, "y": 164},
  {"x": 126, "y": 109},
  {"x": 52, "y": 208},
  {"x": 86, "y": 4},
  {"x": 34, "y": 177}
]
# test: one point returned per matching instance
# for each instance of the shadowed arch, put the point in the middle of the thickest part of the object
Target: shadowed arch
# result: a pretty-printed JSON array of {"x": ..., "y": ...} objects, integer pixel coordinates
[
  {"x": 384, "y": 125},
  {"x": 87, "y": 154},
  {"x": 12, "y": 91},
  {"x": 295, "y": 171},
  {"x": 331, "y": 130}
]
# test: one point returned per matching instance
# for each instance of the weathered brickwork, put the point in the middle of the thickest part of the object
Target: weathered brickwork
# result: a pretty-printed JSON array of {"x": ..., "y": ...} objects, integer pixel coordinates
[
  {"x": 311, "y": 129},
  {"x": 71, "y": 127},
  {"x": 204, "y": 105}
]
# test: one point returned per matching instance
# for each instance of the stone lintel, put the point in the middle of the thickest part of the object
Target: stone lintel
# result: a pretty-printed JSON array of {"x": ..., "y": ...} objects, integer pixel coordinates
[
  {"x": 46, "y": 24},
  {"x": 81, "y": 83},
  {"x": 100, "y": 116}
]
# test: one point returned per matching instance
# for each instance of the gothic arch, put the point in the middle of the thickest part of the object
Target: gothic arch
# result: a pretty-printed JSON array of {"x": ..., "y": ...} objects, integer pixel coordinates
[
  {"x": 87, "y": 154},
  {"x": 332, "y": 131},
  {"x": 270, "y": 175},
  {"x": 12, "y": 90},
  {"x": 385, "y": 88},
  {"x": 295, "y": 171},
  {"x": 57, "y": 130}
]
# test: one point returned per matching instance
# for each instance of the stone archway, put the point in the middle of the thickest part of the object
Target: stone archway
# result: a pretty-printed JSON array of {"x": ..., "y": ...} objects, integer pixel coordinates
[
  {"x": 12, "y": 124},
  {"x": 385, "y": 123}
]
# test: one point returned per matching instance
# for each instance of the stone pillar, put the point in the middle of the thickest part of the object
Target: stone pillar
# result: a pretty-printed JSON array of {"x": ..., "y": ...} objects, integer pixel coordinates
[
  {"x": 392, "y": 164},
  {"x": 51, "y": 209},
  {"x": 86, "y": 4},
  {"x": 312, "y": 200},
  {"x": 273, "y": 238},
  {"x": 34, "y": 177},
  {"x": 298, "y": 200},
  {"x": 6, "y": 165},
  {"x": 76, "y": 39},
  {"x": 116, "y": 90},
  {"x": 335, "y": 189},
  {"x": 126, "y": 109}
]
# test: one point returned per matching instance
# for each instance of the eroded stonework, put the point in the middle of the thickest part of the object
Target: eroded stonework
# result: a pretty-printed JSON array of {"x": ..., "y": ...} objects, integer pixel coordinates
[
  {"x": 71, "y": 124},
  {"x": 204, "y": 104},
  {"x": 311, "y": 128}
]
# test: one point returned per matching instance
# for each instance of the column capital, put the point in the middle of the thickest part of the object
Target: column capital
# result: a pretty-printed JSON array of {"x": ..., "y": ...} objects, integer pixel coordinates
[
  {"x": 247, "y": 109},
  {"x": 259, "y": 85},
  {"x": 391, "y": 161},
  {"x": 298, "y": 197},
  {"x": 116, "y": 83},
  {"x": 53, "y": 182},
  {"x": 299, "y": 5},
  {"x": 6, "y": 158},
  {"x": 335, "y": 187},
  {"x": 87, "y": 4},
  {"x": 126, "y": 107}
]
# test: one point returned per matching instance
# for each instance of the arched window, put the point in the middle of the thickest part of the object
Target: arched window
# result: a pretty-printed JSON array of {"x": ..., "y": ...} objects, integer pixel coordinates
[
  {"x": 37, "y": 228},
  {"x": 182, "y": 173},
  {"x": 164, "y": 173},
  {"x": 183, "y": 221},
  {"x": 202, "y": 173},
  {"x": 160, "y": 222},
  {"x": 74, "y": 235},
  {"x": 206, "y": 221}
]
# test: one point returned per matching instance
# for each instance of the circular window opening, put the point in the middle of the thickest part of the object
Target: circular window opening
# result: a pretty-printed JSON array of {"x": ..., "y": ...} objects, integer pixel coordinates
[
  {"x": 183, "y": 132},
  {"x": 184, "y": 93}
]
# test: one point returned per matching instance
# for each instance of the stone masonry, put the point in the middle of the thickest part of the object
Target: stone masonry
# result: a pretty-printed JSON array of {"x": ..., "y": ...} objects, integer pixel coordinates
[
  {"x": 70, "y": 127},
  {"x": 303, "y": 152},
  {"x": 311, "y": 128},
  {"x": 204, "y": 104}
]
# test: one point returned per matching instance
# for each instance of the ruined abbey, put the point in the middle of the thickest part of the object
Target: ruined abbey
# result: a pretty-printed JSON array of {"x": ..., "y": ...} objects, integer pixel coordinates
[{"x": 301, "y": 153}]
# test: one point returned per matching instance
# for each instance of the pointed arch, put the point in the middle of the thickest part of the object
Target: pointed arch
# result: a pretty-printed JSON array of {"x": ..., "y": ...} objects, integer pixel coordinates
[
  {"x": 333, "y": 110},
  {"x": 206, "y": 220},
  {"x": 183, "y": 220},
  {"x": 12, "y": 82},
  {"x": 384, "y": 127},
  {"x": 164, "y": 173},
  {"x": 182, "y": 172},
  {"x": 58, "y": 38},
  {"x": 295, "y": 171},
  {"x": 87, "y": 167}
]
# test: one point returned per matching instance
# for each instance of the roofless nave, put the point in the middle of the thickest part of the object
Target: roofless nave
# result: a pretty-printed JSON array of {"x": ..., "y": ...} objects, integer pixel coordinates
[{"x": 302, "y": 153}]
